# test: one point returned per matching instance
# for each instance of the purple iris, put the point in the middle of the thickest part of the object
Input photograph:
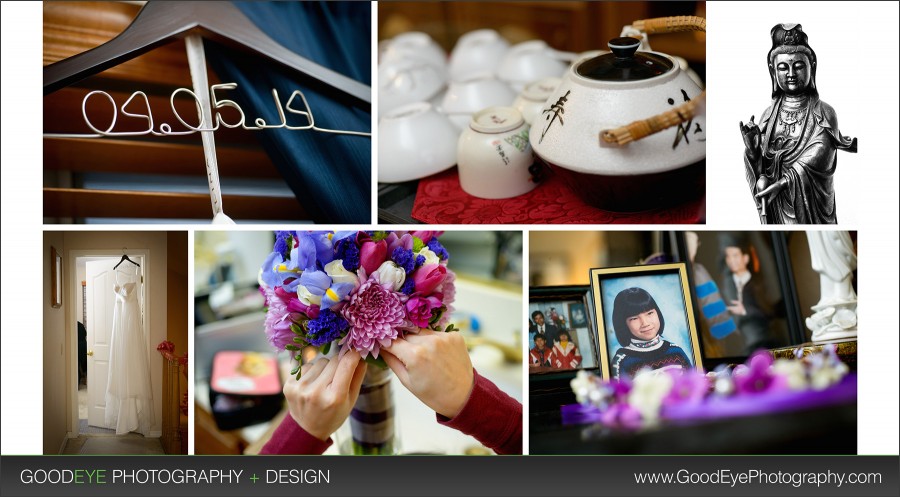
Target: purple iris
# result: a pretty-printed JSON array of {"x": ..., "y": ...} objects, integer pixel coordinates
[
  {"x": 275, "y": 270},
  {"x": 319, "y": 283},
  {"x": 282, "y": 242},
  {"x": 310, "y": 247}
]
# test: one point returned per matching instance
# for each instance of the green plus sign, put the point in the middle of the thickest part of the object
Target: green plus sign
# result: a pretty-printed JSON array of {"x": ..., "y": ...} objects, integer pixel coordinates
[{"x": 254, "y": 477}]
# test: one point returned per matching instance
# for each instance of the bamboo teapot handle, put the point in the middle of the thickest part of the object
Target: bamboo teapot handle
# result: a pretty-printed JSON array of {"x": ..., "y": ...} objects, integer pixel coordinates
[{"x": 672, "y": 117}]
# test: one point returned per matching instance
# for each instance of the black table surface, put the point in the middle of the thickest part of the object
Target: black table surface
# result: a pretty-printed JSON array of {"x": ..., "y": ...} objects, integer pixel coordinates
[{"x": 831, "y": 430}]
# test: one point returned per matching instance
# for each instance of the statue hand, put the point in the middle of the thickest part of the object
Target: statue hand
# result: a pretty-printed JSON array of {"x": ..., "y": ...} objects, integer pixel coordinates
[
  {"x": 772, "y": 190},
  {"x": 751, "y": 135}
]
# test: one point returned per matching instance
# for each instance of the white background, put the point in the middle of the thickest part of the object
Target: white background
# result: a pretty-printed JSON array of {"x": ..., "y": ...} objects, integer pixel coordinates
[
  {"x": 856, "y": 44},
  {"x": 856, "y": 74}
]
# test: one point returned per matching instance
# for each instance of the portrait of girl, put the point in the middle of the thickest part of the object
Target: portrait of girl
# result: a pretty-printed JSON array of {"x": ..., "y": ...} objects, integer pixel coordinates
[{"x": 639, "y": 324}]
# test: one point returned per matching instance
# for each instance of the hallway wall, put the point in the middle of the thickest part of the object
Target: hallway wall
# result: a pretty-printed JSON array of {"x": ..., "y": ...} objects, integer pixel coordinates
[{"x": 55, "y": 359}]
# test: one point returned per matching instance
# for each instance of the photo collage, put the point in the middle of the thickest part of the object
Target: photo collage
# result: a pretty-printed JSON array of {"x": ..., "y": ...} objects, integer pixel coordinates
[{"x": 457, "y": 228}]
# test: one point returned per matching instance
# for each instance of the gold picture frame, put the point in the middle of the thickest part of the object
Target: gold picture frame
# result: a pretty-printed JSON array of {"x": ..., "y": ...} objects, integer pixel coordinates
[
  {"x": 56, "y": 287},
  {"x": 668, "y": 287}
]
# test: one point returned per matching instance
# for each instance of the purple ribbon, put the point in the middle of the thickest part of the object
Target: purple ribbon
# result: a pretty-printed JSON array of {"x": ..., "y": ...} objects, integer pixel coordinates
[{"x": 751, "y": 404}]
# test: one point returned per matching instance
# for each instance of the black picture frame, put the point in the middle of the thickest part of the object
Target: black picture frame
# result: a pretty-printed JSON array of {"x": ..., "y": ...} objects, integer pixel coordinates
[
  {"x": 774, "y": 266},
  {"x": 562, "y": 299}
]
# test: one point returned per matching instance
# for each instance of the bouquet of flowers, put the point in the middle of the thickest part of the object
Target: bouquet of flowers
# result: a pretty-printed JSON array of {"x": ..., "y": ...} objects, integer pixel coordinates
[
  {"x": 762, "y": 385},
  {"x": 363, "y": 289}
]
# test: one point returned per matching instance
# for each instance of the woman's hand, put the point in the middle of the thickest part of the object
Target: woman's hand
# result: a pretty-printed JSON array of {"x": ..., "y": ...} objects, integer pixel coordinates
[
  {"x": 751, "y": 134},
  {"x": 435, "y": 367},
  {"x": 327, "y": 390}
]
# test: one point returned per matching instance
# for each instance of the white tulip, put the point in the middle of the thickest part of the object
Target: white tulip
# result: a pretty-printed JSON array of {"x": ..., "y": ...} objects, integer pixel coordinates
[{"x": 391, "y": 273}]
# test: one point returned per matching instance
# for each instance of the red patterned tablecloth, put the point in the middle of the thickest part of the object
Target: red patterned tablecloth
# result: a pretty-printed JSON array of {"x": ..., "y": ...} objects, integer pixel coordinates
[{"x": 440, "y": 200}]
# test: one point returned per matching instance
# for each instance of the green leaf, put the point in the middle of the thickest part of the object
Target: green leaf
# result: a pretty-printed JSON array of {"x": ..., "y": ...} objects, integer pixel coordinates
[
  {"x": 291, "y": 347},
  {"x": 298, "y": 358},
  {"x": 376, "y": 362},
  {"x": 296, "y": 370},
  {"x": 437, "y": 314},
  {"x": 451, "y": 327},
  {"x": 326, "y": 348},
  {"x": 418, "y": 244},
  {"x": 379, "y": 235},
  {"x": 299, "y": 340},
  {"x": 297, "y": 329}
]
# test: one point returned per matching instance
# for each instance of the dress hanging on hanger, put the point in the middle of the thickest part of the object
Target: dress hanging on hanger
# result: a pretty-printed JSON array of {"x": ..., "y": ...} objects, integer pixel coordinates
[{"x": 129, "y": 397}]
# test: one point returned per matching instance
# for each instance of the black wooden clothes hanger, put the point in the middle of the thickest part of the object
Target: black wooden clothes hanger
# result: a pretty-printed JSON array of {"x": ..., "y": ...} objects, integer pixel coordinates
[
  {"x": 123, "y": 259},
  {"x": 160, "y": 22}
]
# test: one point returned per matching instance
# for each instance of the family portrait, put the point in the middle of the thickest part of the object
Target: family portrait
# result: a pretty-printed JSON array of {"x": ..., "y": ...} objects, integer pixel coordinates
[{"x": 559, "y": 331}]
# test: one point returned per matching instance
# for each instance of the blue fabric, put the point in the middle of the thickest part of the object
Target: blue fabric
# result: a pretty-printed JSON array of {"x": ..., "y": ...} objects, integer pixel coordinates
[
  {"x": 713, "y": 308},
  {"x": 330, "y": 174},
  {"x": 706, "y": 289},
  {"x": 723, "y": 329}
]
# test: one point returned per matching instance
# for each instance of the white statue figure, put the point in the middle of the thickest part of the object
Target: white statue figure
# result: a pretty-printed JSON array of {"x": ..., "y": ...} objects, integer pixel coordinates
[{"x": 834, "y": 259}]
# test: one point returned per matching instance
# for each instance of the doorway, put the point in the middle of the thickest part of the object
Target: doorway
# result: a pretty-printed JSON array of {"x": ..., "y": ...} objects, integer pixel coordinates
[{"x": 92, "y": 297}]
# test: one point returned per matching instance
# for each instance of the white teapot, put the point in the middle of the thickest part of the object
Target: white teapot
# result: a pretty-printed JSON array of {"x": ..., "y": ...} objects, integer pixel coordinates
[{"x": 626, "y": 129}]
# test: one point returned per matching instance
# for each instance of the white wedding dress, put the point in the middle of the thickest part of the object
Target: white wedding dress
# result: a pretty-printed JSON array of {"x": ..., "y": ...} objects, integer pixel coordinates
[{"x": 129, "y": 398}]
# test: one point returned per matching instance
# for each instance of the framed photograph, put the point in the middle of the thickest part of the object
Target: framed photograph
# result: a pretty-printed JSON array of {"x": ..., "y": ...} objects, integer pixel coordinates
[
  {"x": 746, "y": 295},
  {"x": 645, "y": 319},
  {"x": 561, "y": 335},
  {"x": 55, "y": 278}
]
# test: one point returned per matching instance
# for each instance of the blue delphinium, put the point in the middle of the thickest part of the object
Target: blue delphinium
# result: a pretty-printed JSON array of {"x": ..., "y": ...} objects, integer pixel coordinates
[
  {"x": 438, "y": 249},
  {"x": 409, "y": 286},
  {"x": 404, "y": 258},
  {"x": 348, "y": 252},
  {"x": 325, "y": 328}
]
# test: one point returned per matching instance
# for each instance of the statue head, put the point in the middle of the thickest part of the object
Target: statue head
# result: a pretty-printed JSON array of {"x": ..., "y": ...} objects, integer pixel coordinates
[{"x": 792, "y": 62}]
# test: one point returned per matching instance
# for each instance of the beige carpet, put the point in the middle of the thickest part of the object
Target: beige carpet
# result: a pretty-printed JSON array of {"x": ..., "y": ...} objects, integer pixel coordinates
[
  {"x": 132, "y": 444},
  {"x": 82, "y": 402}
]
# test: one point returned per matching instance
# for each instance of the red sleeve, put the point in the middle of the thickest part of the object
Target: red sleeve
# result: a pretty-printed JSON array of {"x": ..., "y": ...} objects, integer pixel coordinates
[
  {"x": 491, "y": 416},
  {"x": 291, "y": 438}
]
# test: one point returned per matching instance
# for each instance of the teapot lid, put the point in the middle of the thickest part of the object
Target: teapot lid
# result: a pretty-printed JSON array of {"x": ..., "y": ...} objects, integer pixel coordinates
[{"x": 625, "y": 63}]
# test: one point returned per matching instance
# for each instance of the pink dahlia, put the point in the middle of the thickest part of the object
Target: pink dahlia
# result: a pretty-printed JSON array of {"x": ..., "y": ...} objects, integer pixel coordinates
[
  {"x": 278, "y": 321},
  {"x": 376, "y": 315}
]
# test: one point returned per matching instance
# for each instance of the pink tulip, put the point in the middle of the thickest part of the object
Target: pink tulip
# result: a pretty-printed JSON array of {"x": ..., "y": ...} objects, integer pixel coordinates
[
  {"x": 428, "y": 277},
  {"x": 372, "y": 255},
  {"x": 424, "y": 235},
  {"x": 419, "y": 310}
]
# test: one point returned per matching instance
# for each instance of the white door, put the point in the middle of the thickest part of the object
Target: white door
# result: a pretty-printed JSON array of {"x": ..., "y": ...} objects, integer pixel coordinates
[{"x": 101, "y": 300}]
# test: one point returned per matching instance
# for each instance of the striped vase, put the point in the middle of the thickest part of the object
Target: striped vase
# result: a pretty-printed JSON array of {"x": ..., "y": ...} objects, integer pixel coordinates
[{"x": 372, "y": 418}]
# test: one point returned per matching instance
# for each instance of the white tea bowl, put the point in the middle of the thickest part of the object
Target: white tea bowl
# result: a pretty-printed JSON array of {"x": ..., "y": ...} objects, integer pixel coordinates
[
  {"x": 533, "y": 98},
  {"x": 465, "y": 98},
  {"x": 402, "y": 82},
  {"x": 475, "y": 52},
  {"x": 494, "y": 155},
  {"x": 529, "y": 61},
  {"x": 414, "y": 141}
]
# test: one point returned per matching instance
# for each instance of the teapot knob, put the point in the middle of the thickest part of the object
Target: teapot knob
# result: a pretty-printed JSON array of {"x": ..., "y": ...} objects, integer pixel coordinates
[{"x": 624, "y": 47}]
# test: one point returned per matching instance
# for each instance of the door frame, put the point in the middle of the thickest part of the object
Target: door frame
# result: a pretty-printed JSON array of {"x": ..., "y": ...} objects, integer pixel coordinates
[{"x": 71, "y": 316}]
